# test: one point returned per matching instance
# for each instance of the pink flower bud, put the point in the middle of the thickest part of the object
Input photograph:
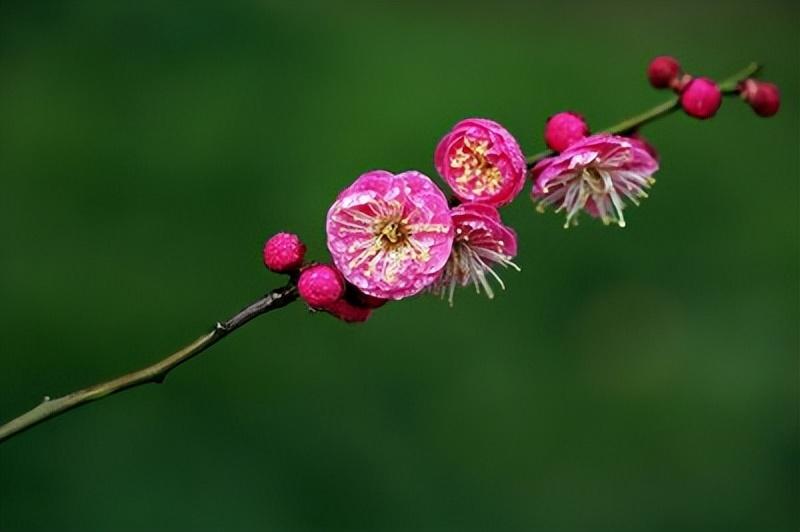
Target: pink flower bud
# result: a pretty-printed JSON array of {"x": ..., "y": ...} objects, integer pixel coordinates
[
  {"x": 320, "y": 285},
  {"x": 284, "y": 252},
  {"x": 663, "y": 71},
  {"x": 701, "y": 98},
  {"x": 346, "y": 311},
  {"x": 763, "y": 97},
  {"x": 360, "y": 299},
  {"x": 563, "y": 129}
]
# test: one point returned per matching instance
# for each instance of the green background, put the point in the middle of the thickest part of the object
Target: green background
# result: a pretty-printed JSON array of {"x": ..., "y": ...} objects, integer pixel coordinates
[{"x": 627, "y": 380}]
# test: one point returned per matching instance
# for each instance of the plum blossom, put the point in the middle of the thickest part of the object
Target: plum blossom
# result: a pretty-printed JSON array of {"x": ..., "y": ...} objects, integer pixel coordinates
[
  {"x": 481, "y": 243},
  {"x": 390, "y": 235},
  {"x": 595, "y": 174},
  {"x": 481, "y": 162}
]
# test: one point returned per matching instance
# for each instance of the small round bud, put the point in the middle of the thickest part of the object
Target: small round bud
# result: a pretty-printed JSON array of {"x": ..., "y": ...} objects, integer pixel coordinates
[
  {"x": 763, "y": 97},
  {"x": 563, "y": 129},
  {"x": 701, "y": 98},
  {"x": 360, "y": 299},
  {"x": 663, "y": 71},
  {"x": 346, "y": 311},
  {"x": 320, "y": 285},
  {"x": 284, "y": 252}
]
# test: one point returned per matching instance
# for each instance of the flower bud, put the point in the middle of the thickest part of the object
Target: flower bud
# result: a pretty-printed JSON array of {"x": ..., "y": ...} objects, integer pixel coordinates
[
  {"x": 763, "y": 97},
  {"x": 663, "y": 71},
  {"x": 360, "y": 299},
  {"x": 284, "y": 252},
  {"x": 563, "y": 129},
  {"x": 701, "y": 98},
  {"x": 346, "y": 311},
  {"x": 320, "y": 285}
]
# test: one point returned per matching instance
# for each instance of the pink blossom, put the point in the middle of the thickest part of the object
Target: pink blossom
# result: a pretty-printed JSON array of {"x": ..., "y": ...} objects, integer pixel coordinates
[
  {"x": 390, "y": 235},
  {"x": 481, "y": 162},
  {"x": 481, "y": 242},
  {"x": 639, "y": 140},
  {"x": 595, "y": 174}
]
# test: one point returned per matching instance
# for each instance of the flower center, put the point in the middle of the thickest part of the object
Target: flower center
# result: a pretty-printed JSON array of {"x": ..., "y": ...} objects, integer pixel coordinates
[
  {"x": 392, "y": 233},
  {"x": 594, "y": 181},
  {"x": 388, "y": 238},
  {"x": 474, "y": 256},
  {"x": 478, "y": 174}
]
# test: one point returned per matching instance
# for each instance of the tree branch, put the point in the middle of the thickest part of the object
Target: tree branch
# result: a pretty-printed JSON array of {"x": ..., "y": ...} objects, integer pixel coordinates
[
  {"x": 155, "y": 373},
  {"x": 278, "y": 298}
]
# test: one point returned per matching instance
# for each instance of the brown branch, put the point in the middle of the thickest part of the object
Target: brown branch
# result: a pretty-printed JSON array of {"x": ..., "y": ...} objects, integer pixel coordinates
[{"x": 154, "y": 373}]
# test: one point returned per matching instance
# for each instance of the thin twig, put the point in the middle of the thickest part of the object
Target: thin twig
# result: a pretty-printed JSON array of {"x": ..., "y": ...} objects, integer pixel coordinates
[{"x": 155, "y": 373}]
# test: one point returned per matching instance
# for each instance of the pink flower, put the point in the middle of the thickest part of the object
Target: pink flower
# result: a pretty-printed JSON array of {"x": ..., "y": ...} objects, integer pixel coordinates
[
  {"x": 481, "y": 242},
  {"x": 481, "y": 162},
  {"x": 639, "y": 140},
  {"x": 595, "y": 174},
  {"x": 390, "y": 235}
]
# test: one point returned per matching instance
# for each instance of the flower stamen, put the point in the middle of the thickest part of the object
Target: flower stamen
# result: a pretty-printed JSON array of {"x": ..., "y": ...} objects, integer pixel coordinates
[
  {"x": 595, "y": 174},
  {"x": 481, "y": 243},
  {"x": 475, "y": 168}
]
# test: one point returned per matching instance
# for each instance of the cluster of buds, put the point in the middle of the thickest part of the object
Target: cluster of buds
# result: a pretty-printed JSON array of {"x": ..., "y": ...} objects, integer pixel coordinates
[
  {"x": 321, "y": 286},
  {"x": 701, "y": 97},
  {"x": 392, "y": 236}
]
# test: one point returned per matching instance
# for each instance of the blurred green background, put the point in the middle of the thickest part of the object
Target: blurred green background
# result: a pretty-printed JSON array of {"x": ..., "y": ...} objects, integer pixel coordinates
[{"x": 636, "y": 379}]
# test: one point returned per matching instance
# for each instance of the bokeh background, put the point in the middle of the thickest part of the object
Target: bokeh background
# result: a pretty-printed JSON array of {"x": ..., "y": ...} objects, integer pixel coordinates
[{"x": 627, "y": 380}]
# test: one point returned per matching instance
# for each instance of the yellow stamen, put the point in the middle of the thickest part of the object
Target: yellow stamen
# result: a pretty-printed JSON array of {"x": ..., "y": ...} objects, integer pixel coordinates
[{"x": 475, "y": 168}]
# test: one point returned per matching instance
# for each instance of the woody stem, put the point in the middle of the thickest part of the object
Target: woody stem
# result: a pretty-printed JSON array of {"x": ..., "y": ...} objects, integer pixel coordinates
[{"x": 155, "y": 373}]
